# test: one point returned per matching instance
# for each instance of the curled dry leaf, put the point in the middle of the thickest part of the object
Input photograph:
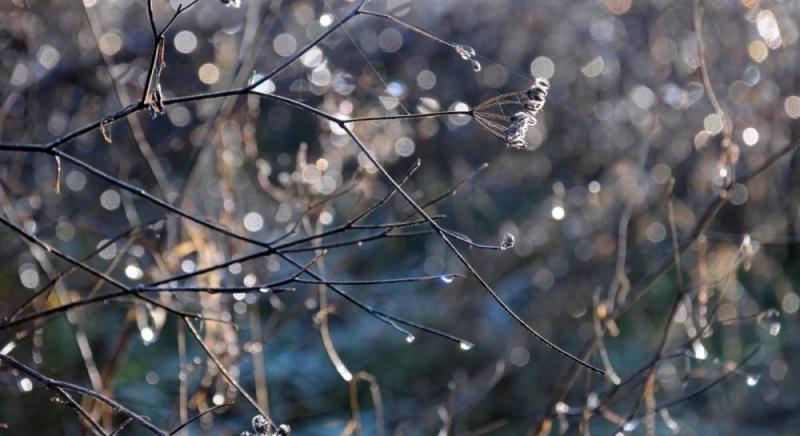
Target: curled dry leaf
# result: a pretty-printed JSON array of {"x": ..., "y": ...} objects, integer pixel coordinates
[{"x": 105, "y": 129}]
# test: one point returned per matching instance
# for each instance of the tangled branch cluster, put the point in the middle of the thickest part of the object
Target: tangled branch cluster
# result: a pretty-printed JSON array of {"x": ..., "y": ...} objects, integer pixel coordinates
[
  {"x": 154, "y": 100},
  {"x": 211, "y": 275}
]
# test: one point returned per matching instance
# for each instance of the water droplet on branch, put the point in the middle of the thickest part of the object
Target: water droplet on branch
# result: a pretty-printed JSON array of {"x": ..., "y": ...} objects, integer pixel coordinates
[
  {"x": 447, "y": 278},
  {"x": 753, "y": 379},
  {"x": 468, "y": 54},
  {"x": 507, "y": 241}
]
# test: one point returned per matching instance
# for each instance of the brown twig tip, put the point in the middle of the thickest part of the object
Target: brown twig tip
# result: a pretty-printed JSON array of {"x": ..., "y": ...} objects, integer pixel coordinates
[{"x": 153, "y": 98}]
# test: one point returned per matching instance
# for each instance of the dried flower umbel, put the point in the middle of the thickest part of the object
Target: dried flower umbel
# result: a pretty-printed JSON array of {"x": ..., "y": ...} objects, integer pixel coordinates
[
  {"x": 537, "y": 94},
  {"x": 517, "y": 130},
  {"x": 513, "y": 129}
]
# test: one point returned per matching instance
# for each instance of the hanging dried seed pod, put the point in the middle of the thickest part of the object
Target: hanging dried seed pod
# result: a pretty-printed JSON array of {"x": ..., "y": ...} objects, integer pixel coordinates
[
  {"x": 517, "y": 129},
  {"x": 537, "y": 94},
  {"x": 491, "y": 114},
  {"x": 539, "y": 89}
]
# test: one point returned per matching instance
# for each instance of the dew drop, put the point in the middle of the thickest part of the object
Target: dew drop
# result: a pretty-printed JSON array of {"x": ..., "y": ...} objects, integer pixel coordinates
[
  {"x": 465, "y": 346},
  {"x": 466, "y": 52},
  {"x": 507, "y": 241},
  {"x": 410, "y": 338},
  {"x": 265, "y": 87},
  {"x": 753, "y": 379},
  {"x": 264, "y": 290},
  {"x": 476, "y": 66},
  {"x": 562, "y": 408},
  {"x": 447, "y": 278}
]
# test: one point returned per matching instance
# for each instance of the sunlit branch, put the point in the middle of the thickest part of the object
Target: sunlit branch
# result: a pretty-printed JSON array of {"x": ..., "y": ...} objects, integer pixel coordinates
[{"x": 461, "y": 257}]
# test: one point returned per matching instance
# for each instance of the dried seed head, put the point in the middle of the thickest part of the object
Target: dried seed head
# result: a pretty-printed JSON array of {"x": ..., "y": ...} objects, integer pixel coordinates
[
  {"x": 540, "y": 88},
  {"x": 492, "y": 113},
  {"x": 532, "y": 109},
  {"x": 537, "y": 94},
  {"x": 517, "y": 129}
]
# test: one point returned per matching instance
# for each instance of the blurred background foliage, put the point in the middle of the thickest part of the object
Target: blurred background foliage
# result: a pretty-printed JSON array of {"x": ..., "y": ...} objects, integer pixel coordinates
[{"x": 627, "y": 113}]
